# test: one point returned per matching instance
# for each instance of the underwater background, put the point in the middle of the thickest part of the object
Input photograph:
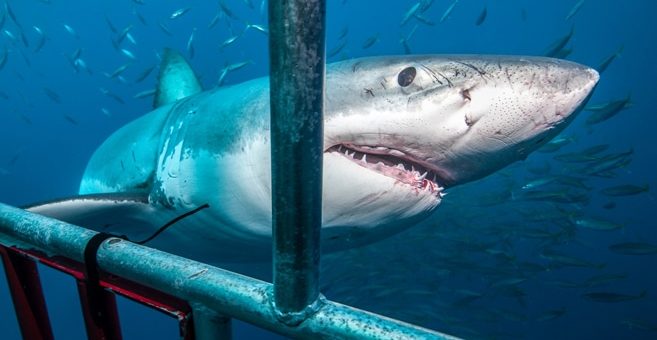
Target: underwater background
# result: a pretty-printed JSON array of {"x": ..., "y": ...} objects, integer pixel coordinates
[{"x": 563, "y": 244}]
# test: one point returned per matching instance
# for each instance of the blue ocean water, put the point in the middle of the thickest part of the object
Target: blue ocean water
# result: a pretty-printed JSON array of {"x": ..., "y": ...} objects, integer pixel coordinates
[{"x": 484, "y": 266}]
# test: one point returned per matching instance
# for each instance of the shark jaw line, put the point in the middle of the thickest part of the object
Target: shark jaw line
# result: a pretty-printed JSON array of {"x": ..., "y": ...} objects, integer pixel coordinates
[{"x": 394, "y": 164}]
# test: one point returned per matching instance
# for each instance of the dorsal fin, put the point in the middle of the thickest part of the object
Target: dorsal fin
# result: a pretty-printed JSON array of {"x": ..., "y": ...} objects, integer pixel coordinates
[{"x": 176, "y": 79}]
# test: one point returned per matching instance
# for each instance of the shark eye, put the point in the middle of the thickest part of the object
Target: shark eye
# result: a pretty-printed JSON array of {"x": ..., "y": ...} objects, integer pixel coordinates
[{"x": 406, "y": 76}]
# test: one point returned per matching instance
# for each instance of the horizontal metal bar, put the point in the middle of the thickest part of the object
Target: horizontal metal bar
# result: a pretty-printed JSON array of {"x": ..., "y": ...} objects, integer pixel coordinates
[{"x": 225, "y": 292}]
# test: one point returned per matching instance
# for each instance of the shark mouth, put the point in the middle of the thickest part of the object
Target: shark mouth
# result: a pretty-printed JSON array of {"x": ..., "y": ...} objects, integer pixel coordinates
[{"x": 394, "y": 164}]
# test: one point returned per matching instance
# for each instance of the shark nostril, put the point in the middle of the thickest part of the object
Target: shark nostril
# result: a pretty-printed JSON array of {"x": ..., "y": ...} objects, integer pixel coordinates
[
  {"x": 469, "y": 121},
  {"x": 466, "y": 94}
]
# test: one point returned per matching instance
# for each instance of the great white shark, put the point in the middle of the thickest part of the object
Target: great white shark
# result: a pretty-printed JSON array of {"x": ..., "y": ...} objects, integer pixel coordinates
[{"x": 398, "y": 132}]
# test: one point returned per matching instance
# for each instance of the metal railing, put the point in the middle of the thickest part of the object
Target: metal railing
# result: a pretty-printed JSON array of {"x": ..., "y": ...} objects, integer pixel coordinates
[{"x": 205, "y": 298}]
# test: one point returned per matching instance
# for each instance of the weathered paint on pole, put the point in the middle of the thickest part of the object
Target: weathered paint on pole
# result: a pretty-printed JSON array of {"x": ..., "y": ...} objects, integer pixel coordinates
[
  {"x": 297, "y": 64},
  {"x": 210, "y": 325}
]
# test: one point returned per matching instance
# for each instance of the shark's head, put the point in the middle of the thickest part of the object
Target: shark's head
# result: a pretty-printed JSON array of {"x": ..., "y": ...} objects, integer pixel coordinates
[{"x": 399, "y": 131}]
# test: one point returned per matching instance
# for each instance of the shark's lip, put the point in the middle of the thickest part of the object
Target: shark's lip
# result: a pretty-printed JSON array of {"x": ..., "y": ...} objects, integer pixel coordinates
[{"x": 395, "y": 164}]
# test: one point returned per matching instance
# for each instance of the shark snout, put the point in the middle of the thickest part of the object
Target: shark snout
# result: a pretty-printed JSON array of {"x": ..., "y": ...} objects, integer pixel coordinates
[{"x": 569, "y": 85}]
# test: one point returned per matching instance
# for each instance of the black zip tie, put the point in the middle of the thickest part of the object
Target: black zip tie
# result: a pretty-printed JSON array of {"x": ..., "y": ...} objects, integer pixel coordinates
[{"x": 92, "y": 275}]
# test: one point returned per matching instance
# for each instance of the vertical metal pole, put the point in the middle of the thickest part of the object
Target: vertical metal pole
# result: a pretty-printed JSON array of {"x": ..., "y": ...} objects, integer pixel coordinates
[
  {"x": 210, "y": 325},
  {"x": 101, "y": 317},
  {"x": 297, "y": 62},
  {"x": 27, "y": 295}
]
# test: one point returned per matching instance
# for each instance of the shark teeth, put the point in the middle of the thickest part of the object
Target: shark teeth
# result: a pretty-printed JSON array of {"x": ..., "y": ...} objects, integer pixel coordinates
[{"x": 393, "y": 163}]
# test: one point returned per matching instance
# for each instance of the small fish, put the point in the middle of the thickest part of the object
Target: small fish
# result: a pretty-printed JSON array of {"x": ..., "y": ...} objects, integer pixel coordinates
[
  {"x": 165, "y": 29},
  {"x": 110, "y": 25},
  {"x": 112, "y": 95},
  {"x": 424, "y": 20},
  {"x": 343, "y": 33},
  {"x": 634, "y": 248},
  {"x": 369, "y": 42},
  {"x": 230, "y": 40},
  {"x": 144, "y": 74},
  {"x": 128, "y": 54},
  {"x": 640, "y": 324},
  {"x": 76, "y": 54},
  {"x": 407, "y": 48},
  {"x": 81, "y": 64},
  {"x": 11, "y": 14},
  {"x": 179, "y": 12},
  {"x": 238, "y": 65},
  {"x": 41, "y": 41},
  {"x": 215, "y": 20},
  {"x": 607, "y": 163},
  {"x": 52, "y": 95},
  {"x": 3, "y": 18},
  {"x": 263, "y": 5},
  {"x": 410, "y": 13},
  {"x": 448, "y": 11},
  {"x": 604, "y": 106},
  {"x": 227, "y": 11},
  {"x": 131, "y": 39},
  {"x": 563, "y": 53},
  {"x": 556, "y": 144},
  {"x": 258, "y": 28},
  {"x": 26, "y": 43},
  {"x": 3, "y": 58},
  {"x": 575, "y": 9},
  {"x": 105, "y": 111},
  {"x": 609, "y": 111},
  {"x": 337, "y": 49},
  {"x": 119, "y": 70},
  {"x": 190, "y": 44},
  {"x": 609, "y": 205},
  {"x": 539, "y": 182},
  {"x": 71, "y": 31},
  {"x": 70, "y": 119},
  {"x": 607, "y": 61},
  {"x": 139, "y": 17},
  {"x": 231, "y": 67},
  {"x": 604, "y": 278},
  {"x": 25, "y": 59},
  {"x": 575, "y": 157},
  {"x": 561, "y": 260},
  {"x": 551, "y": 315},
  {"x": 9, "y": 35},
  {"x": 124, "y": 32},
  {"x": 625, "y": 190},
  {"x": 144, "y": 94},
  {"x": 557, "y": 196},
  {"x": 482, "y": 16},
  {"x": 608, "y": 297},
  {"x": 595, "y": 223},
  {"x": 425, "y": 5},
  {"x": 556, "y": 47}
]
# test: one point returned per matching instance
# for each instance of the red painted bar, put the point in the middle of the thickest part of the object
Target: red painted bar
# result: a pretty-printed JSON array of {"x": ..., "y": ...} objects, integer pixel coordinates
[
  {"x": 101, "y": 318},
  {"x": 27, "y": 295},
  {"x": 110, "y": 284}
]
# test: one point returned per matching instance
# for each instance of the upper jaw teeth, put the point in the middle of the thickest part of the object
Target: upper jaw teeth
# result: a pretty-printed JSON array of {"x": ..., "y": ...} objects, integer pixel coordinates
[{"x": 380, "y": 159}]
